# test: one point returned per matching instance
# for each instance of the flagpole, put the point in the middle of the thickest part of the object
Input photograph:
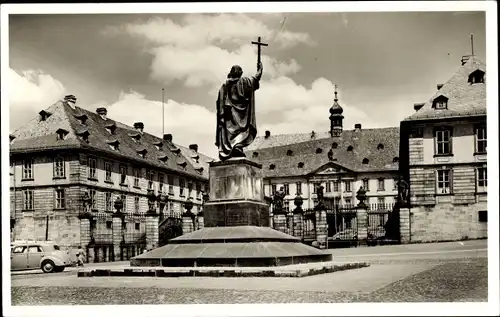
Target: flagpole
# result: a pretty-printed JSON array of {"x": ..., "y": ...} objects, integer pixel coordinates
[{"x": 162, "y": 112}]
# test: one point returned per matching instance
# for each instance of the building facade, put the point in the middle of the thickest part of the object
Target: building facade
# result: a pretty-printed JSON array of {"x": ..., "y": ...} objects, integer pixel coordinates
[
  {"x": 444, "y": 159},
  {"x": 340, "y": 160},
  {"x": 69, "y": 161}
]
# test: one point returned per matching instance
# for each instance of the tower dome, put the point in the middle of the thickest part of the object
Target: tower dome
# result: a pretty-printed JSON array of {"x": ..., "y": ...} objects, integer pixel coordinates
[{"x": 336, "y": 117}]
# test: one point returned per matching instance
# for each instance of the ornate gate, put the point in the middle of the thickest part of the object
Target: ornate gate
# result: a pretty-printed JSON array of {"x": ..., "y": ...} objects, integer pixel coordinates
[{"x": 342, "y": 227}]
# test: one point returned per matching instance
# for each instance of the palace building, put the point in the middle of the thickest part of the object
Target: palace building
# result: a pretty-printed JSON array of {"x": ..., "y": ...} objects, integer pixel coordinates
[
  {"x": 444, "y": 158},
  {"x": 341, "y": 160},
  {"x": 69, "y": 161}
]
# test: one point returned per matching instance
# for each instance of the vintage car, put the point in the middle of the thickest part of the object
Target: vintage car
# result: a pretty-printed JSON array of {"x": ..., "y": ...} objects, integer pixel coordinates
[{"x": 45, "y": 255}]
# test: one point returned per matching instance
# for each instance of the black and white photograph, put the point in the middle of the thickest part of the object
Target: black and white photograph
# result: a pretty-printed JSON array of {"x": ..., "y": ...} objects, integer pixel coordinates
[{"x": 173, "y": 159}]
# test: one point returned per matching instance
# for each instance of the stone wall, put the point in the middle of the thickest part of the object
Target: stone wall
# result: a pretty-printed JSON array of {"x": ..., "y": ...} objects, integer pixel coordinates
[{"x": 447, "y": 221}]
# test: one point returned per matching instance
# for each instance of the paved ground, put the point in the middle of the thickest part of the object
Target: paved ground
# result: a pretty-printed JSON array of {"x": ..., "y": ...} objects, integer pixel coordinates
[{"x": 408, "y": 273}]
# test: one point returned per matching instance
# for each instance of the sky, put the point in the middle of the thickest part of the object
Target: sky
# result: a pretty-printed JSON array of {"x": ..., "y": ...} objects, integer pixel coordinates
[{"x": 383, "y": 63}]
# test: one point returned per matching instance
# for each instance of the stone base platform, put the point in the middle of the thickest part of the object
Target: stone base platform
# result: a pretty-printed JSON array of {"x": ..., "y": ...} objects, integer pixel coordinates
[
  {"x": 240, "y": 246},
  {"x": 297, "y": 270}
]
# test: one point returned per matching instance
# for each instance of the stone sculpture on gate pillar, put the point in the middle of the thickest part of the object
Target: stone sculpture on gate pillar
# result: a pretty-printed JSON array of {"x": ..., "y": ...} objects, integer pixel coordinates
[
  {"x": 403, "y": 189},
  {"x": 118, "y": 235},
  {"x": 277, "y": 201}
]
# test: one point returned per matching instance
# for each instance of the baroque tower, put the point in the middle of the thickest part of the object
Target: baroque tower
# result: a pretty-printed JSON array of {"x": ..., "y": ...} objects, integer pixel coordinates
[{"x": 336, "y": 117}]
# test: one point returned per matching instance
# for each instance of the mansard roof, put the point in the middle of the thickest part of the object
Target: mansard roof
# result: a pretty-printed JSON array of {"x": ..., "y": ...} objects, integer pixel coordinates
[
  {"x": 364, "y": 143},
  {"x": 463, "y": 98},
  {"x": 39, "y": 135}
]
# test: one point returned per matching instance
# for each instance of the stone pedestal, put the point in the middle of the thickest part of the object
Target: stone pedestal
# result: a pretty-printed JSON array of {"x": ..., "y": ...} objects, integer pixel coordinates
[
  {"x": 117, "y": 236},
  {"x": 151, "y": 231},
  {"x": 236, "y": 195},
  {"x": 289, "y": 223},
  {"x": 404, "y": 224},
  {"x": 187, "y": 223},
  {"x": 321, "y": 228},
  {"x": 298, "y": 225},
  {"x": 200, "y": 222},
  {"x": 279, "y": 222},
  {"x": 362, "y": 223}
]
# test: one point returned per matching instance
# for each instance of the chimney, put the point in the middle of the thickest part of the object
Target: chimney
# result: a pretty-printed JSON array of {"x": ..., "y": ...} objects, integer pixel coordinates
[
  {"x": 418, "y": 106},
  {"x": 102, "y": 112},
  {"x": 268, "y": 134},
  {"x": 193, "y": 147},
  {"x": 439, "y": 86},
  {"x": 139, "y": 126},
  {"x": 167, "y": 137},
  {"x": 357, "y": 127}
]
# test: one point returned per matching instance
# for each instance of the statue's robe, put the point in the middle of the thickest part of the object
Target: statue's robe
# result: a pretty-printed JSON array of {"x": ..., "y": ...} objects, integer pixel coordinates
[{"x": 236, "y": 127}]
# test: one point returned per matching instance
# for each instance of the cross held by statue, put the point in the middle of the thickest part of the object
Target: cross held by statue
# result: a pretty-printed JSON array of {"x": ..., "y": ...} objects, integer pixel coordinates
[{"x": 259, "y": 44}]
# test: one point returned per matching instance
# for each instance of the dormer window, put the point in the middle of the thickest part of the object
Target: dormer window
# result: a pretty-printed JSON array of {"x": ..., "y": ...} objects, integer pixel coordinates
[
  {"x": 289, "y": 153},
  {"x": 300, "y": 165},
  {"x": 61, "y": 134},
  {"x": 82, "y": 118},
  {"x": 334, "y": 145},
  {"x": 366, "y": 161},
  {"x": 135, "y": 136},
  {"x": 83, "y": 134},
  {"x": 350, "y": 148},
  {"x": 272, "y": 166},
  {"x": 158, "y": 145},
  {"x": 255, "y": 154},
  {"x": 319, "y": 150},
  {"x": 199, "y": 170},
  {"x": 441, "y": 102},
  {"x": 476, "y": 77},
  {"x": 111, "y": 128},
  {"x": 142, "y": 153},
  {"x": 114, "y": 144},
  {"x": 163, "y": 158},
  {"x": 395, "y": 159},
  {"x": 380, "y": 146},
  {"x": 182, "y": 164},
  {"x": 44, "y": 115}
]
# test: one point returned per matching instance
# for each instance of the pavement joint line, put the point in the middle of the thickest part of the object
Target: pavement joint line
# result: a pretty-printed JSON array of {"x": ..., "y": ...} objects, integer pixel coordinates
[{"x": 410, "y": 253}]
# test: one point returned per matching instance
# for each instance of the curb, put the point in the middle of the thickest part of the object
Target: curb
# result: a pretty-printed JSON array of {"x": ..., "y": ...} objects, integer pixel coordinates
[{"x": 154, "y": 272}]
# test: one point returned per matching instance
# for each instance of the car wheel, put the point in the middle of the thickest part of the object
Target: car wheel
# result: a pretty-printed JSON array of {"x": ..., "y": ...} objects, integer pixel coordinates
[
  {"x": 59, "y": 269},
  {"x": 48, "y": 266}
]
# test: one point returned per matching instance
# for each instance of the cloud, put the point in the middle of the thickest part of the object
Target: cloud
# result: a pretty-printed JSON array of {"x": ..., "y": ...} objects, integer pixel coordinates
[
  {"x": 187, "y": 123},
  {"x": 29, "y": 92},
  {"x": 198, "y": 30}
]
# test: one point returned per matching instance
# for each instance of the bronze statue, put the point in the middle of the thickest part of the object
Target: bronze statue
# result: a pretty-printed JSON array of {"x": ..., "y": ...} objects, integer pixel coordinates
[
  {"x": 236, "y": 124},
  {"x": 403, "y": 189}
]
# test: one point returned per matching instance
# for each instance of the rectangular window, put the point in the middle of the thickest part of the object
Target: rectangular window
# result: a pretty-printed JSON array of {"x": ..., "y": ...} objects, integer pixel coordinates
[
  {"x": 286, "y": 188},
  {"x": 137, "y": 176},
  {"x": 160, "y": 182},
  {"x": 109, "y": 224},
  {"x": 93, "y": 199},
  {"x": 299, "y": 188},
  {"x": 482, "y": 179},
  {"x": 328, "y": 187},
  {"x": 443, "y": 181},
  {"x": 28, "y": 199},
  {"x": 170, "y": 181},
  {"x": 107, "y": 169},
  {"x": 336, "y": 186},
  {"x": 182, "y": 184},
  {"x": 124, "y": 199},
  {"x": 198, "y": 190},
  {"x": 92, "y": 162},
  {"x": 273, "y": 189},
  {"x": 190, "y": 189},
  {"x": 483, "y": 216},
  {"x": 28, "y": 169},
  {"x": 347, "y": 186},
  {"x": 348, "y": 201},
  {"x": 93, "y": 224},
  {"x": 395, "y": 184},
  {"x": 286, "y": 205},
  {"x": 337, "y": 201},
  {"x": 60, "y": 199},
  {"x": 171, "y": 207},
  {"x": 123, "y": 174},
  {"x": 443, "y": 141},
  {"x": 366, "y": 185},
  {"x": 109, "y": 205},
  {"x": 381, "y": 184},
  {"x": 137, "y": 226},
  {"x": 481, "y": 139},
  {"x": 59, "y": 170},
  {"x": 136, "y": 204},
  {"x": 150, "y": 179}
]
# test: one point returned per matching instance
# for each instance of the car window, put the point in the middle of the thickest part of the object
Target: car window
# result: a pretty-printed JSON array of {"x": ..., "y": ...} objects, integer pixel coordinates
[
  {"x": 19, "y": 249},
  {"x": 34, "y": 249}
]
